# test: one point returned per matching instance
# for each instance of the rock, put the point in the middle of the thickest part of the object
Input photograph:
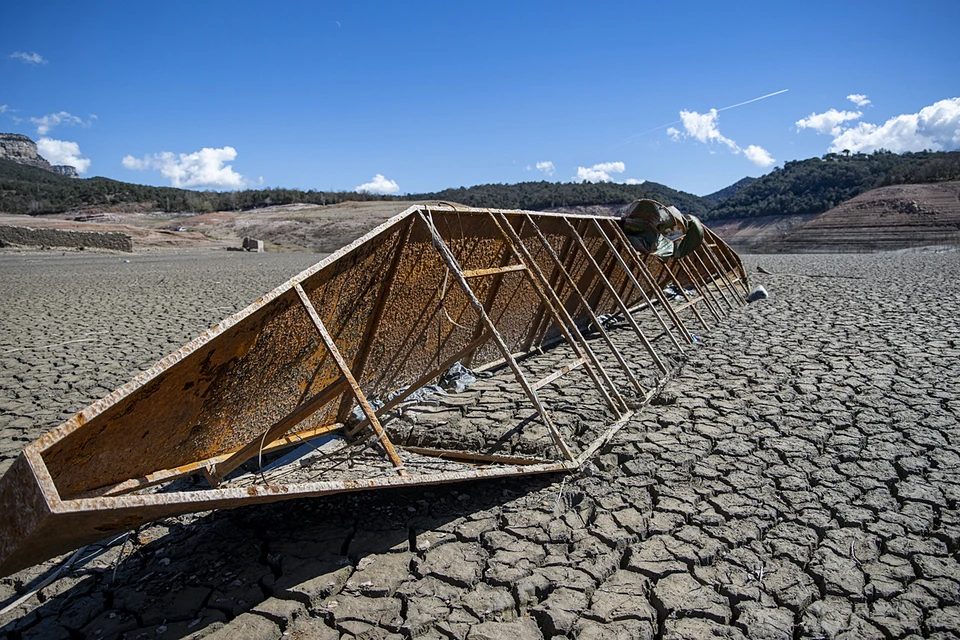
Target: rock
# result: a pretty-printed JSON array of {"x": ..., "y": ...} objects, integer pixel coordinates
[
  {"x": 249, "y": 627},
  {"x": 283, "y": 612},
  {"x": 22, "y": 150},
  {"x": 681, "y": 595},
  {"x": 558, "y": 613},
  {"x": 253, "y": 244},
  {"x": 520, "y": 629},
  {"x": 457, "y": 563},
  {"x": 697, "y": 629},
  {"x": 305, "y": 628}
]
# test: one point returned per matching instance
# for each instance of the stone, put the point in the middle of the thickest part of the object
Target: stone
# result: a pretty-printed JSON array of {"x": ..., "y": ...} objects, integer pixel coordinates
[
  {"x": 558, "y": 613},
  {"x": 457, "y": 563},
  {"x": 519, "y": 629},
  {"x": 681, "y": 595},
  {"x": 249, "y": 627}
]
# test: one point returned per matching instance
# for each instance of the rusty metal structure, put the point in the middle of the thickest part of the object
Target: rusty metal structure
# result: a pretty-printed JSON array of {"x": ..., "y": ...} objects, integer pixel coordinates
[{"x": 338, "y": 351}]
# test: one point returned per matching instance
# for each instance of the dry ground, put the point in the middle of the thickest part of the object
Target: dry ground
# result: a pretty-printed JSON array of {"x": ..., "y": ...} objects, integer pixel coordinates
[{"x": 799, "y": 477}]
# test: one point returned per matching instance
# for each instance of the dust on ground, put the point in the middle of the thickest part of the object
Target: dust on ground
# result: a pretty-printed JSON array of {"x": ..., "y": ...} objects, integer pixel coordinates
[{"x": 799, "y": 477}]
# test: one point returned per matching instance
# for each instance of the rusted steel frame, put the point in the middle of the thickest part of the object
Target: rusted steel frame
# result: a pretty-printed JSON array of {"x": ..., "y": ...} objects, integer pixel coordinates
[
  {"x": 217, "y": 472},
  {"x": 354, "y": 385},
  {"x": 725, "y": 274},
  {"x": 454, "y": 268},
  {"x": 475, "y": 457},
  {"x": 677, "y": 323},
  {"x": 492, "y": 293},
  {"x": 702, "y": 291},
  {"x": 492, "y": 271},
  {"x": 612, "y": 430},
  {"x": 691, "y": 303},
  {"x": 583, "y": 303},
  {"x": 166, "y": 475},
  {"x": 65, "y": 525},
  {"x": 618, "y": 299},
  {"x": 657, "y": 286},
  {"x": 373, "y": 323},
  {"x": 722, "y": 274},
  {"x": 561, "y": 317},
  {"x": 709, "y": 278},
  {"x": 421, "y": 381},
  {"x": 540, "y": 323},
  {"x": 559, "y": 373},
  {"x": 725, "y": 254}
]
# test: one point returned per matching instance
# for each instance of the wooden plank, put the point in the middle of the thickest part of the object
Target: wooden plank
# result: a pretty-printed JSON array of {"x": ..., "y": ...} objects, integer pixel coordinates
[
  {"x": 218, "y": 471},
  {"x": 559, "y": 373},
  {"x": 354, "y": 385},
  {"x": 492, "y": 271}
]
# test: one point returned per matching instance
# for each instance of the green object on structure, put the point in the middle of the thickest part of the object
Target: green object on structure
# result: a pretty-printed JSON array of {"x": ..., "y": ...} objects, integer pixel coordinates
[{"x": 690, "y": 241}]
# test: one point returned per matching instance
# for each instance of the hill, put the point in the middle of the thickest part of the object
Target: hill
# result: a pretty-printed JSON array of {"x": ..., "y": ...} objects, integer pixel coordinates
[
  {"x": 717, "y": 197},
  {"x": 540, "y": 196},
  {"x": 29, "y": 190},
  {"x": 810, "y": 187}
]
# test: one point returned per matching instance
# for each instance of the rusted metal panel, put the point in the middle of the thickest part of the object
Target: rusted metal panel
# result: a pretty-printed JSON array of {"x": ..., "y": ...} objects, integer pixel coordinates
[{"x": 371, "y": 324}]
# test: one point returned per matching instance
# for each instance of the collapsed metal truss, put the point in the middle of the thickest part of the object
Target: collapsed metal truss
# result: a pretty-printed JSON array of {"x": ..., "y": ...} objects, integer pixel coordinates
[{"x": 369, "y": 327}]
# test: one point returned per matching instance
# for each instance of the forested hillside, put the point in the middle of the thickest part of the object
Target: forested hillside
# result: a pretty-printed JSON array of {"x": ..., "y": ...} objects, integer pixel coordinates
[
  {"x": 28, "y": 190},
  {"x": 25, "y": 189},
  {"x": 549, "y": 195},
  {"x": 818, "y": 184},
  {"x": 800, "y": 187}
]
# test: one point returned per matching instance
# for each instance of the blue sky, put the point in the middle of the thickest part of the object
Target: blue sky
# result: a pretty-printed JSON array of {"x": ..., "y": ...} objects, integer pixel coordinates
[{"x": 414, "y": 97}]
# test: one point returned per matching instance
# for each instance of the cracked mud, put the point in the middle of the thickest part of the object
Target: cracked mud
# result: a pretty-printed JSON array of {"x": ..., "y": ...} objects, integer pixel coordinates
[{"x": 798, "y": 478}]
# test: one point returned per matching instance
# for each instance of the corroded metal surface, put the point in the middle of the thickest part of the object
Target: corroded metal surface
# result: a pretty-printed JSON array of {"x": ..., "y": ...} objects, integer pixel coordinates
[{"x": 388, "y": 313}]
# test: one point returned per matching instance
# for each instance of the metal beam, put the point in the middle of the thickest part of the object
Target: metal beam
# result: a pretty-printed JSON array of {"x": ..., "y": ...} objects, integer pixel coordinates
[
  {"x": 454, "y": 268},
  {"x": 354, "y": 385}
]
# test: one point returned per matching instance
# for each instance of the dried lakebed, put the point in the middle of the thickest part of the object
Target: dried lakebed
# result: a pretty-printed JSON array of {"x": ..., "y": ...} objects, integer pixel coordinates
[{"x": 799, "y": 477}]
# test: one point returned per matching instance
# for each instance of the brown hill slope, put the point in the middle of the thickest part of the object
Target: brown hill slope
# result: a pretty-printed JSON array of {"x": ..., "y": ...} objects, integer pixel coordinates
[
  {"x": 894, "y": 217},
  {"x": 888, "y": 218}
]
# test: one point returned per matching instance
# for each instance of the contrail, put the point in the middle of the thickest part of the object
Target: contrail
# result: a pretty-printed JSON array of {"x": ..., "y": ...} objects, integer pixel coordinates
[
  {"x": 740, "y": 104},
  {"x": 733, "y": 106}
]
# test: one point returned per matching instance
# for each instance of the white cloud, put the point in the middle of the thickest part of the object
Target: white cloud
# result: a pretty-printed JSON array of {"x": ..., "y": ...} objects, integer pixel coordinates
[
  {"x": 380, "y": 185},
  {"x": 204, "y": 168},
  {"x": 546, "y": 167},
  {"x": 935, "y": 127},
  {"x": 633, "y": 181},
  {"x": 758, "y": 156},
  {"x": 703, "y": 127},
  {"x": 858, "y": 99},
  {"x": 63, "y": 152},
  {"x": 30, "y": 58},
  {"x": 49, "y": 121},
  {"x": 3, "y": 108},
  {"x": 600, "y": 172},
  {"x": 828, "y": 121}
]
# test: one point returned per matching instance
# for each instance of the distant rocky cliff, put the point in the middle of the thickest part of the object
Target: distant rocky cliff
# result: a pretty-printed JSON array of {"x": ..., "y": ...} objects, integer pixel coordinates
[{"x": 21, "y": 149}]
